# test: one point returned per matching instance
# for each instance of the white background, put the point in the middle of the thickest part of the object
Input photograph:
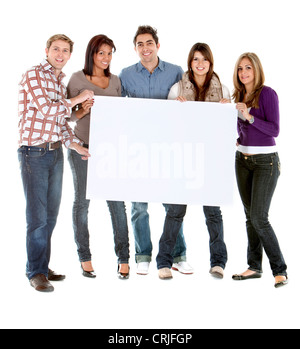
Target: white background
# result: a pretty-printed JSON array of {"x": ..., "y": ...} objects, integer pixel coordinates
[{"x": 269, "y": 28}]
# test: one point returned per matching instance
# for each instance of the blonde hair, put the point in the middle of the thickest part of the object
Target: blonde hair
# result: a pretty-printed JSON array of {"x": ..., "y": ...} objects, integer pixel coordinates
[
  {"x": 60, "y": 37},
  {"x": 259, "y": 80}
]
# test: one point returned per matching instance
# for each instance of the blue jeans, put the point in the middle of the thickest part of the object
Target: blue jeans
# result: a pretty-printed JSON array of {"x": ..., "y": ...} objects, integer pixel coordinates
[
  {"x": 142, "y": 235},
  {"x": 257, "y": 177},
  {"x": 80, "y": 214},
  {"x": 172, "y": 226},
  {"x": 217, "y": 247},
  {"x": 42, "y": 173}
]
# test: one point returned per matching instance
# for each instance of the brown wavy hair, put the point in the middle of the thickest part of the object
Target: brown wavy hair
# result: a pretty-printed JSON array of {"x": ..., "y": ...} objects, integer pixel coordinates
[
  {"x": 259, "y": 80},
  {"x": 94, "y": 47},
  {"x": 205, "y": 50}
]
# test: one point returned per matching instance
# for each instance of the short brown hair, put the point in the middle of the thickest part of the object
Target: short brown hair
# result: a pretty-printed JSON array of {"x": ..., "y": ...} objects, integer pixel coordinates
[
  {"x": 146, "y": 29},
  {"x": 60, "y": 37}
]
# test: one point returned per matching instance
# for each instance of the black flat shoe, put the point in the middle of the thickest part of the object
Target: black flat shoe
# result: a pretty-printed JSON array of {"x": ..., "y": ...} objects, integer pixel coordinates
[
  {"x": 281, "y": 283},
  {"x": 256, "y": 275},
  {"x": 88, "y": 274},
  {"x": 123, "y": 276}
]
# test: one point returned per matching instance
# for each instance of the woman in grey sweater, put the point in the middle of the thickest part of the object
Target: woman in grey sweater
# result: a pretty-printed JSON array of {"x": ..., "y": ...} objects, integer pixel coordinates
[{"x": 95, "y": 76}]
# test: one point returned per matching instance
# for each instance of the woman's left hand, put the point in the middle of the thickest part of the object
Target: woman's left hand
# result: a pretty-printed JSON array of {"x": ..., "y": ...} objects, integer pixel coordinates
[
  {"x": 242, "y": 107},
  {"x": 181, "y": 99},
  {"x": 225, "y": 100},
  {"x": 80, "y": 150}
]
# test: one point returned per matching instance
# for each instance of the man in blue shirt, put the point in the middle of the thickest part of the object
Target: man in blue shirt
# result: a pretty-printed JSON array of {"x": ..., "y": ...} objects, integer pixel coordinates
[{"x": 153, "y": 78}]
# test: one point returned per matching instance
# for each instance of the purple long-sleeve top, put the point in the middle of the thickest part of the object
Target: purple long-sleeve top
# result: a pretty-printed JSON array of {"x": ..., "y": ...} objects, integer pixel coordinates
[{"x": 266, "y": 122}]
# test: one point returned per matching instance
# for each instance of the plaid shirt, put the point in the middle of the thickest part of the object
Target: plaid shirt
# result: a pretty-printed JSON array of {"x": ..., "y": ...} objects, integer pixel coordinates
[{"x": 43, "y": 108}]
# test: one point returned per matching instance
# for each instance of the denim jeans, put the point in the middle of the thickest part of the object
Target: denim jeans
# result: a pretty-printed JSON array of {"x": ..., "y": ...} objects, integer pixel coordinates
[
  {"x": 257, "y": 177},
  {"x": 172, "y": 226},
  {"x": 80, "y": 214},
  {"x": 42, "y": 173},
  {"x": 217, "y": 247},
  {"x": 142, "y": 235}
]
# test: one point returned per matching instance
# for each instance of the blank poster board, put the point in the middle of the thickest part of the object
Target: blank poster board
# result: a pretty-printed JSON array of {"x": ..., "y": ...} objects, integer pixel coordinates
[{"x": 166, "y": 151}]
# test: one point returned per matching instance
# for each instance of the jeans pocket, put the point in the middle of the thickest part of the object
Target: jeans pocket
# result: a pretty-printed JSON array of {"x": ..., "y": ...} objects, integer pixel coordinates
[
  {"x": 266, "y": 163},
  {"x": 20, "y": 157},
  {"x": 276, "y": 163},
  {"x": 35, "y": 152},
  {"x": 279, "y": 167}
]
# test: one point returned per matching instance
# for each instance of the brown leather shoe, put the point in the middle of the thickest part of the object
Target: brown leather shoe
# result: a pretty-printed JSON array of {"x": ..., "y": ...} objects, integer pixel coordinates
[
  {"x": 52, "y": 276},
  {"x": 40, "y": 283}
]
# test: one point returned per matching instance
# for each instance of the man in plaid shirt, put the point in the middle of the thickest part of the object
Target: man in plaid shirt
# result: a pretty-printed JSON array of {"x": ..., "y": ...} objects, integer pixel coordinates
[{"x": 43, "y": 109}]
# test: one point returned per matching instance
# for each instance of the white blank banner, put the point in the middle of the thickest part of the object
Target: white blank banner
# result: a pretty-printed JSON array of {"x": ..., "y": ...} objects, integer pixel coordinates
[{"x": 148, "y": 150}]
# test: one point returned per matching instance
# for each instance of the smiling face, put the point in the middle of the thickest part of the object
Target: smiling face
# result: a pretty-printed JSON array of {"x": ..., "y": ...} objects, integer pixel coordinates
[
  {"x": 103, "y": 57},
  {"x": 58, "y": 55},
  {"x": 246, "y": 73},
  {"x": 200, "y": 65},
  {"x": 146, "y": 48}
]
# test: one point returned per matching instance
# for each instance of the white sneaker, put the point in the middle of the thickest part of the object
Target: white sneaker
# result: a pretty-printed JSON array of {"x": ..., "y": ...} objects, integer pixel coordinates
[
  {"x": 183, "y": 267},
  {"x": 143, "y": 268}
]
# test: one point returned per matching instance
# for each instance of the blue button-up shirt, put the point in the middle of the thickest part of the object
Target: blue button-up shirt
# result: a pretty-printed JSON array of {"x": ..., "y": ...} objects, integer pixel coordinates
[{"x": 139, "y": 83}]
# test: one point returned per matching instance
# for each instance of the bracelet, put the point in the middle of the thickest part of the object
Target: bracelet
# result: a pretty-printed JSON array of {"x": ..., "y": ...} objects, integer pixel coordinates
[{"x": 251, "y": 120}]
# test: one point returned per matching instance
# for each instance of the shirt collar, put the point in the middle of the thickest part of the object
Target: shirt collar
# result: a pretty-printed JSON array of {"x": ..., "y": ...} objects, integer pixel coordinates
[
  {"x": 161, "y": 65},
  {"x": 47, "y": 66}
]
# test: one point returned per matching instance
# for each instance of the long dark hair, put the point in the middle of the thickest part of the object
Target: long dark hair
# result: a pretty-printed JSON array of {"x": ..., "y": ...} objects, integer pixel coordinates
[
  {"x": 94, "y": 47},
  {"x": 206, "y": 52}
]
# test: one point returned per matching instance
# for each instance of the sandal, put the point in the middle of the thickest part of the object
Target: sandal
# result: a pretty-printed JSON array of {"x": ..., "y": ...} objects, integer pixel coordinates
[
  {"x": 122, "y": 275},
  {"x": 281, "y": 283}
]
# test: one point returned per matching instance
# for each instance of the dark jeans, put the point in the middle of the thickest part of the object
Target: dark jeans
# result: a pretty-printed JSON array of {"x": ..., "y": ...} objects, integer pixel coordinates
[
  {"x": 257, "y": 177},
  {"x": 172, "y": 226},
  {"x": 80, "y": 214},
  {"x": 167, "y": 242},
  {"x": 217, "y": 247},
  {"x": 42, "y": 173},
  {"x": 142, "y": 235}
]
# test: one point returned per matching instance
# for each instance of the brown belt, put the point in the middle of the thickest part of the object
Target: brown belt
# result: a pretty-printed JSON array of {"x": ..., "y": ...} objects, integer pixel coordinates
[{"x": 50, "y": 145}]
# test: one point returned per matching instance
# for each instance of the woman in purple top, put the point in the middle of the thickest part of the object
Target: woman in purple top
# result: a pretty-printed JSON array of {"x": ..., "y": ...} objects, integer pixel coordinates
[{"x": 257, "y": 164}]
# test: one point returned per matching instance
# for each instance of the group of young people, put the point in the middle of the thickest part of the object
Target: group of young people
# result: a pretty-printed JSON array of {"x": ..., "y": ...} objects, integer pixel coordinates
[{"x": 46, "y": 106}]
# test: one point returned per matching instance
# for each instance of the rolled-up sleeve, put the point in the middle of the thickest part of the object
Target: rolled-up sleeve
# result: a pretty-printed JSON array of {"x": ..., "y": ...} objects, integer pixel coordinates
[{"x": 38, "y": 92}]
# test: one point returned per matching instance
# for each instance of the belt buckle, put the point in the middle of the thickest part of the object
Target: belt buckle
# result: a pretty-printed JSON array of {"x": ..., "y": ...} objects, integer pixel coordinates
[{"x": 50, "y": 144}]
